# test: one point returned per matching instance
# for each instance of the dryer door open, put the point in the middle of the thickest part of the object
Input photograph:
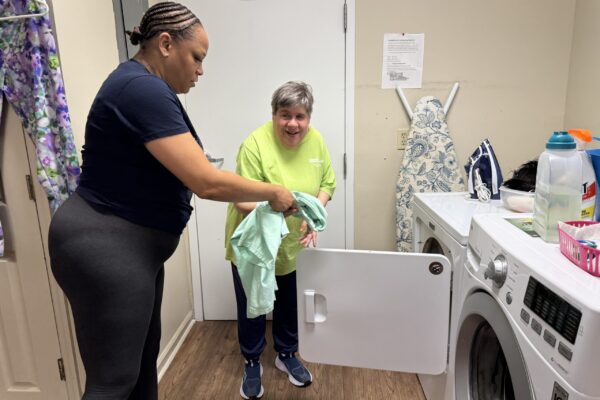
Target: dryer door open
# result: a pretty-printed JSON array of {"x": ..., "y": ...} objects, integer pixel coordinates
[{"x": 370, "y": 309}]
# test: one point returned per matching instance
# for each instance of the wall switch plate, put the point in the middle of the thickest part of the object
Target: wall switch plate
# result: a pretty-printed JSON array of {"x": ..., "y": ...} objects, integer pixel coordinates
[{"x": 402, "y": 137}]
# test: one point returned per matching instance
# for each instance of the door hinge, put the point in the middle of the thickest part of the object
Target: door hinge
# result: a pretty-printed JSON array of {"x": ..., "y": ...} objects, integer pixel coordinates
[
  {"x": 345, "y": 17},
  {"x": 345, "y": 165},
  {"x": 61, "y": 369},
  {"x": 30, "y": 189}
]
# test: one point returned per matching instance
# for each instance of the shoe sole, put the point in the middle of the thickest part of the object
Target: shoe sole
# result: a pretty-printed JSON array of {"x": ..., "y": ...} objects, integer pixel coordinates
[
  {"x": 281, "y": 366},
  {"x": 262, "y": 389}
]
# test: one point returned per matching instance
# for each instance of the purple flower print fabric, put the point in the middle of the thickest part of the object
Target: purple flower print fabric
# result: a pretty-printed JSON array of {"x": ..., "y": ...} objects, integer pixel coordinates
[{"x": 31, "y": 80}]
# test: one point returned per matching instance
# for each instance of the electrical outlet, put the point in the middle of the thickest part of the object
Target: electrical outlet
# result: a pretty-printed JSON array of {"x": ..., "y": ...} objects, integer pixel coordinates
[{"x": 402, "y": 138}]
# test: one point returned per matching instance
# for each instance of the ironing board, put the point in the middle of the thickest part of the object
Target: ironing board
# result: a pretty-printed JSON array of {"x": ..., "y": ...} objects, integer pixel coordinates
[{"x": 429, "y": 163}]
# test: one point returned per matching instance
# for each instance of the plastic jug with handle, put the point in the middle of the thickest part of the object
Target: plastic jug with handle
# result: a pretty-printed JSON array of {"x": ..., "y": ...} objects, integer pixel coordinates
[{"x": 557, "y": 186}]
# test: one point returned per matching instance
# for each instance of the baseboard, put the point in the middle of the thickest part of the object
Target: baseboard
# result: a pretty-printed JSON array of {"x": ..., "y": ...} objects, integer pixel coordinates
[{"x": 166, "y": 356}]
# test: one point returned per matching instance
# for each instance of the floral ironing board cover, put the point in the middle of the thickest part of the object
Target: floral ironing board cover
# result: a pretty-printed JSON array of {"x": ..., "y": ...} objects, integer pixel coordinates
[{"x": 429, "y": 165}]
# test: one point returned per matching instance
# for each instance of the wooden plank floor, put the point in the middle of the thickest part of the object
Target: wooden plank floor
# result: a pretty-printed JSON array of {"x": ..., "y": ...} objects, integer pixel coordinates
[{"x": 209, "y": 366}]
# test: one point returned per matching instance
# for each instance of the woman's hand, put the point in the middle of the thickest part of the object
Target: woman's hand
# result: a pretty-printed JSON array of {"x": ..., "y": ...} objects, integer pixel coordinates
[
  {"x": 308, "y": 237},
  {"x": 283, "y": 200}
]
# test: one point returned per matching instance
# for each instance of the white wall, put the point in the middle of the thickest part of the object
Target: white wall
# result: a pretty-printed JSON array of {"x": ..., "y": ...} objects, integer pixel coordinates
[
  {"x": 86, "y": 37},
  {"x": 511, "y": 58}
]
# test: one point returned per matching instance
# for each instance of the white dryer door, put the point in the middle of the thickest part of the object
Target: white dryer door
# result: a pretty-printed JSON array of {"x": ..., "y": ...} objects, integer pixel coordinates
[{"x": 369, "y": 309}]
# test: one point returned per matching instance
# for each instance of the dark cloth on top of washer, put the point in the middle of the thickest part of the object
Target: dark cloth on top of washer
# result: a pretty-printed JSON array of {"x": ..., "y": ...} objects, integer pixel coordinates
[{"x": 523, "y": 177}]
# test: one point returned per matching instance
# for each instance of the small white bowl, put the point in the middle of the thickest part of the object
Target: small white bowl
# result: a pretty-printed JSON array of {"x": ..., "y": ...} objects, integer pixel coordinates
[{"x": 517, "y": 200}]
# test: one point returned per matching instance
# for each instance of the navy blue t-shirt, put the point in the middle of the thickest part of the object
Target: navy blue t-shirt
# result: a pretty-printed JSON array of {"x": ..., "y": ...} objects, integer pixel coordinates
[{"x": 119, "y": 175}]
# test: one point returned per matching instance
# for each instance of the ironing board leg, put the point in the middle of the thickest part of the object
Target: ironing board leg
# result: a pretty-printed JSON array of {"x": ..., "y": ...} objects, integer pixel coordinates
[
  {"x": 450, "y": 98},
  {"x": 404, "y": 102}
]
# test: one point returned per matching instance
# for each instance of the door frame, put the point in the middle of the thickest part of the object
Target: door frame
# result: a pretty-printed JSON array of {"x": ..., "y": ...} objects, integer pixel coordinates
[
  {"x": 349, "y": 151},
  {"x": 126, "y": 15},
  {"x": 72, "y": 364}
]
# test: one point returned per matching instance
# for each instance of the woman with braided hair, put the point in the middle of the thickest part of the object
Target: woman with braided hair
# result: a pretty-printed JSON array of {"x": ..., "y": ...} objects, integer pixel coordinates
[{"x": 142, "y": 160}]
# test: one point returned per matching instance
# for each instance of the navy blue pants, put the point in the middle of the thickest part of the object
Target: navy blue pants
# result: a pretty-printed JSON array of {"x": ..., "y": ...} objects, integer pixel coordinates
[{"x": 251, "y": 331}]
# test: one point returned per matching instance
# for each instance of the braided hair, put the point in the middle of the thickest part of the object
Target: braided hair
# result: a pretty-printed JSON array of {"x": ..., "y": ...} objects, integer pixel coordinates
[{"x": 174, "y": 18}]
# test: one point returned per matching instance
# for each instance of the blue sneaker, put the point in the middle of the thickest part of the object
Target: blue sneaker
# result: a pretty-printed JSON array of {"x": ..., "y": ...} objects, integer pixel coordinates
[
  {"x": 251, "y": 387},
  {"x": 297, "y": 373}
]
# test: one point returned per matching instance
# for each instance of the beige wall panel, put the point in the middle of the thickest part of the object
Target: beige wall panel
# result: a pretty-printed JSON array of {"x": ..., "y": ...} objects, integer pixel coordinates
[
  {"x": 583, "y": 103},
  {"x": 511, "y": 59},
  {"x": 177, "y": 302},
  {"x": 86, "y": 38}
]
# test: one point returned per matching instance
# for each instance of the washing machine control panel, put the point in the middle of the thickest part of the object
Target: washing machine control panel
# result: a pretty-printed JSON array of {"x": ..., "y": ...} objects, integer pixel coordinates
[{"x": 553, "y": 310}]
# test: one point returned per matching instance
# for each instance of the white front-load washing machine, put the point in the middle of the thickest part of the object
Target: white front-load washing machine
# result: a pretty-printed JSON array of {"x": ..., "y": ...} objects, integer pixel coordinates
[
  {"x": 529, "y": 319},
  {"x": 441, "y": 225}
]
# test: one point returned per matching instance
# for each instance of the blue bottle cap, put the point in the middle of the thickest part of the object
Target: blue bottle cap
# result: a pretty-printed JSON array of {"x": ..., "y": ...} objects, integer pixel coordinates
[{"x": 560, "y": 140}]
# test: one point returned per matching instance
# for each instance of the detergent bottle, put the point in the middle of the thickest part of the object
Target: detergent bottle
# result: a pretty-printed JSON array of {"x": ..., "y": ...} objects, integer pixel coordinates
[
  {"x": 557, "y": 186},
  {"x": 588, "y": 183}
]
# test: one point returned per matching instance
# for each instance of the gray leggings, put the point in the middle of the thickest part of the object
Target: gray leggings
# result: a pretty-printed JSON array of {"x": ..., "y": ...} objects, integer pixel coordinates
[{"x": 112, "y": 272}]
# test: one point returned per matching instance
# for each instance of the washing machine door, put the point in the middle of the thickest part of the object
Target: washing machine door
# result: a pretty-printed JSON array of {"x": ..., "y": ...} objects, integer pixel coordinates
[
  {"x": 489, "y": 362},
  {"x": 370, "y": 309}
]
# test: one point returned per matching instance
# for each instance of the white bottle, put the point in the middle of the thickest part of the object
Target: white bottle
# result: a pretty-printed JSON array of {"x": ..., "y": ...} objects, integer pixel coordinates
[
  {"x": 557, "y": 186},
  {"x": 588, "y": 183}
]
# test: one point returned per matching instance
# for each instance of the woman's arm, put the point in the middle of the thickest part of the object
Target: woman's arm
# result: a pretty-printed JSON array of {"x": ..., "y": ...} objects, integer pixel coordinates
[
  {"x": 323, "y": 198},
  {"x": 246, "y": 207},
  {"x": 310, "y": 237},
  {"x": 184, "y": 158}
]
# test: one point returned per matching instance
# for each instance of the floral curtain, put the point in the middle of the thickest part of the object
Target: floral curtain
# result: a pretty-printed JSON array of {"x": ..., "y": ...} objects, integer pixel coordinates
[{"x": 31, "y": 80}]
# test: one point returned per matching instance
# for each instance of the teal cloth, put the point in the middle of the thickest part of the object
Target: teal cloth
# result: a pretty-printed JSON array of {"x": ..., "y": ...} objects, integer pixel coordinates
[
  {"x": 255, "y": 243},
  {"x": 312, "y": 211}
]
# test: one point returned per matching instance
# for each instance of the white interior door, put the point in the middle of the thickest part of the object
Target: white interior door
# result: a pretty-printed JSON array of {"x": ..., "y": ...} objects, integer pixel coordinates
[
  {"x": 371, "y": 309},
  {"x": 29, "y": 347},
  {"x": 255, "y": 46}
]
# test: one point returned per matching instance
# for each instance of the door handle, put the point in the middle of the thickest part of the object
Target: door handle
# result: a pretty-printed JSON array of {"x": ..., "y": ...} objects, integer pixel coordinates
[
  {"x": 315, "y": 307},
  {"x": 309, "y": 306}
]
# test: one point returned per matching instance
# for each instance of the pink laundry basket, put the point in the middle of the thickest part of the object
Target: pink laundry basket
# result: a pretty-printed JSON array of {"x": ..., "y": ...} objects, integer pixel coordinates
[{"x": 585, "y": 257}]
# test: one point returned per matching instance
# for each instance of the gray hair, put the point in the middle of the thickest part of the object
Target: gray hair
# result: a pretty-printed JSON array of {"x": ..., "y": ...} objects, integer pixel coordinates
[{"x": 293, "y": 94}]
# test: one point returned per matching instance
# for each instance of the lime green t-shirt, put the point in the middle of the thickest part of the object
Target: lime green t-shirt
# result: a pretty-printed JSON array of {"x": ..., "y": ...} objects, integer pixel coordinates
[{"x": 306, "y": 168}]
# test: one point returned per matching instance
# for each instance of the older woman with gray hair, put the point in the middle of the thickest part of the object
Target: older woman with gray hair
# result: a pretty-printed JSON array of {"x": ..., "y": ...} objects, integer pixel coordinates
[{"x": 289, "y": 152}]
